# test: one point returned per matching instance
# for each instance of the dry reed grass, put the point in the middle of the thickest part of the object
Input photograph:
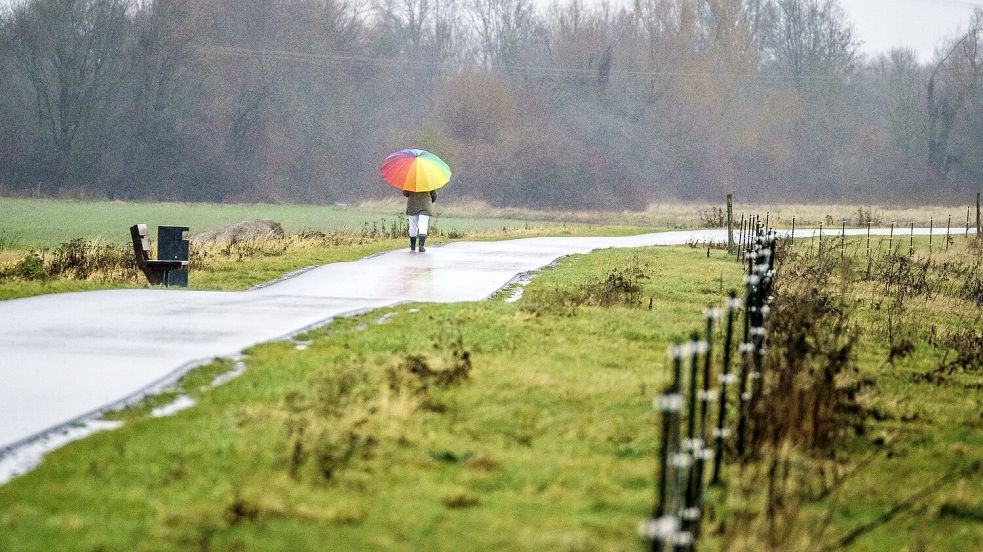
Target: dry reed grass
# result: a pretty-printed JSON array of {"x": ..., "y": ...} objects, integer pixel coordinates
[{"x": 696, "y": 215}]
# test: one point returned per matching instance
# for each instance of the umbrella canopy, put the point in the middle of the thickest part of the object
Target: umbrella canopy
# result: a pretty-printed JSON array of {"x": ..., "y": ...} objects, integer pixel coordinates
[{"x": 414, "y": 170}]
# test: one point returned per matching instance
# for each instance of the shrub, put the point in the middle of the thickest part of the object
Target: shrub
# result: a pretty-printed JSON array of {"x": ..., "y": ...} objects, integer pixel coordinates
[{"x": 31, "y": 267}]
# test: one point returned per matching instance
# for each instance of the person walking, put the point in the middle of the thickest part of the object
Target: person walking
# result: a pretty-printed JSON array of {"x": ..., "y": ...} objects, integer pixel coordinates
[{"x": 419, "y": 209}]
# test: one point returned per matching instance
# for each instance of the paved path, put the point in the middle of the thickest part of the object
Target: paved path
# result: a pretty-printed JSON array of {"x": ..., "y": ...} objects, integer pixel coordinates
[{"x": 70, "y": 356}]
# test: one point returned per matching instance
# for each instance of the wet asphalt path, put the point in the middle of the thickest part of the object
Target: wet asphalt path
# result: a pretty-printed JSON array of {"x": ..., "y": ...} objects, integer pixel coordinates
[{"x": 71, "y": 356}]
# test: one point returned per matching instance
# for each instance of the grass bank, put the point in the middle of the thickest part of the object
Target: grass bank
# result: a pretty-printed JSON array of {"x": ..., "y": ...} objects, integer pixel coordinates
[
  {"x": 82, "y": 265},
  {"x": 869, "y": 431},
  {"x": 481, "y": 426},
  {"x": 528, "y": 425}
]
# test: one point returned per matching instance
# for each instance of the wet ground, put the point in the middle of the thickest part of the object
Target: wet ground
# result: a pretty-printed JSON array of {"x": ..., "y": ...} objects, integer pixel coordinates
[{"x": 68, "y": 357}]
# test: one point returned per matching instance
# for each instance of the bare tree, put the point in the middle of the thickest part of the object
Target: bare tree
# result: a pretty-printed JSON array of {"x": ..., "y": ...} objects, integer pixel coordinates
[
  {"x": 502, "y": 28},
  {"x": 957, "y": 75},
  {"x": 812, "y": 39},
  {"x": 71, "y": 54}
]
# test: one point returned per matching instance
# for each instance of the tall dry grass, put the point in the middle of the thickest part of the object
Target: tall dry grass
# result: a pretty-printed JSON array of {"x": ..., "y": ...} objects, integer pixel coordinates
[
  {"x": 98, "y": 261},
  {"x": 702, "y": 215}
]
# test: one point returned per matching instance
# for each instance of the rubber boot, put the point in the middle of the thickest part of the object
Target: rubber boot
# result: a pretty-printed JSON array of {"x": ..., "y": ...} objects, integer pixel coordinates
[
  {"x": 423, "y": 240},
  {"x": 413, "y": 244}
]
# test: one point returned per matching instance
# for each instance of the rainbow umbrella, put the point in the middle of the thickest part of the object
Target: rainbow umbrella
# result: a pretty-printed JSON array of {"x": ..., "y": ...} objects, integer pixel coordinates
[{"x": 414, "y": 170}]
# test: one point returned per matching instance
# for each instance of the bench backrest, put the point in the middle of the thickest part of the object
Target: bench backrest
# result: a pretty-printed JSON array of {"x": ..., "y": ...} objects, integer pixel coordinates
[{"x": 141, "y": 244}]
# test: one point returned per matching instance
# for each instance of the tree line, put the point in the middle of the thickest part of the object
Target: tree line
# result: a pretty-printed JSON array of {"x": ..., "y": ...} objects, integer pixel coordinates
[{"x": 567, "y": 106}]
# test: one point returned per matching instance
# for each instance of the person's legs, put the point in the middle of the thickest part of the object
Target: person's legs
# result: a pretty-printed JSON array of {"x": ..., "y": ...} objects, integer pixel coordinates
[
  {"x": 414, "y": 231},
  {"x": 422, "y": 226}
]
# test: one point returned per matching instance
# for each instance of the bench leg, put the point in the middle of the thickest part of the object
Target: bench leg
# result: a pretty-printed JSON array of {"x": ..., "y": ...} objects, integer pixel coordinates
[{"x": 176, "y": 278}]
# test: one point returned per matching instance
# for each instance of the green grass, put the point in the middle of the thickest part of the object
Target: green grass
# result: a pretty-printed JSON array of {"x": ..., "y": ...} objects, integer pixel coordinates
[
  {"x": 248, "y": 266},
  {"x": 548, "y": 445},
  {"x": 45, "y": 224},
  {"x": 916, "y": 431},
  {"x": 30, "y": 223}
]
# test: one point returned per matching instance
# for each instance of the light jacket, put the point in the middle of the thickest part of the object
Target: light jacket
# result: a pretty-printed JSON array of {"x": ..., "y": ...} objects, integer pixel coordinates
[{"x": 420, "y": 203}]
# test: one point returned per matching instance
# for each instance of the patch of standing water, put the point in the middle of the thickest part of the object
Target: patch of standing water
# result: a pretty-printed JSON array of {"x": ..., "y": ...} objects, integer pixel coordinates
[
  {"x": 386, "y": 317},
  {"x": 302, "y": 345},
  {"x": 181, "y": 403},
  {"x": 237, "y": 370},
  {"x": 520, "y": 284},
  {"x": 25, "y": 458}
]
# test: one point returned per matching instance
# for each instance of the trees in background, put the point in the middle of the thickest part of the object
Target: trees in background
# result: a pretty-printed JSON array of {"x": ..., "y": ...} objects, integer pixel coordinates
[
  {"x": 569, "y": 106},
  {"x": 954, "y": 82}
]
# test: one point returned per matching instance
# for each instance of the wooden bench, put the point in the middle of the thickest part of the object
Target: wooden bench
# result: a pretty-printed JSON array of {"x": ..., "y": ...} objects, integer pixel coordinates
[{"x": 172, "y": 268}]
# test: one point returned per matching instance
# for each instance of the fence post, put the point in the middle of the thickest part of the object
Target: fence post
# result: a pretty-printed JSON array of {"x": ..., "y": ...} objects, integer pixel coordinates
[
  {"x": 792, "y": 243},
  {"x": 706, "y": 397},
  {"x": 890, "y": 241},
  {"x": 931, "y": 231},
  {"x": 820, "y": 239},
  {"x": 843, "y": 239},
  {"x": 979, "y": 223},
  {"x": 726, "y": 378},
  {"x": 868, "y": 241},
  {"x": 948, "y": 225},
  {"x": 868, "y": 249},
  {"x": 968, "y": 208},
  {"x": 730, "y": 223},
  {"x": 758, "y": 311},
  {"x": 743, "y": 395},
  {"x": 911, "y": 241},
  {"x": 695, "y": 349},
  {"x": 663, "y": 528}
]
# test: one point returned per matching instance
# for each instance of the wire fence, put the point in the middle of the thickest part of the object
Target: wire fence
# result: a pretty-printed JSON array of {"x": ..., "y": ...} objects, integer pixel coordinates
[
  {"x": 692, "y": 441},
  {"x": 709, "y": 409}
]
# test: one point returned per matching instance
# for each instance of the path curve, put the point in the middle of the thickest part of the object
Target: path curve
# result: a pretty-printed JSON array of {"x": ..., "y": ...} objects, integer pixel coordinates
[{"x": 68, "y": 357}]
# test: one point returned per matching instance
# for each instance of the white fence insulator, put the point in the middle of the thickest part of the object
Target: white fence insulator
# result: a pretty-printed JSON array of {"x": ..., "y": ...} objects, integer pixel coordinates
[
  {"x": 663, "y": 528},
  {"x": 705, "y": 454},
  {"x": 714, "y": 312},
  {"x": 672, "y": 402},
  {"x": 708, "y": 395},
  {"x": 719, "y": 433},
  {"x": 681, "y": 461},
  {"x": 692, "y": 444},
  {"x": 683, "y": 538},
  {"x": 690, "y": 514}
]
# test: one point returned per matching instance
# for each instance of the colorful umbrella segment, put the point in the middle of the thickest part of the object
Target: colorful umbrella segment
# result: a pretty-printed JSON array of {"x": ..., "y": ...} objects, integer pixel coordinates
[{"x": 414, "y": 170}]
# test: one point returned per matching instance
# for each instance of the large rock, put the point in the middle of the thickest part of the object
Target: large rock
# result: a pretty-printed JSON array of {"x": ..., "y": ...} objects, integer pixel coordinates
[{"x": 240, "y": 231}]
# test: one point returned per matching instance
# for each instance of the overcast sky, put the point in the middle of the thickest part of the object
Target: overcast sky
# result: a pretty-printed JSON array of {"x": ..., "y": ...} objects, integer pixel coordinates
[
  {"x": 882, "y": 24},
  {"x": 916, "y": 24}
]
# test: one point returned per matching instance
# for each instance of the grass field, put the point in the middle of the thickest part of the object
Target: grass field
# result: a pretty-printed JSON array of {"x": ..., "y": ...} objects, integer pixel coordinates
[
  {"x": 905, "y": 471},
  {"x": 49, "y": 230},
  {"x": 528, "y": 425},
  {"x": 476, "y": 426},
  {"x": 524, "y": 426},
  {"x": 30, "y": 223}
]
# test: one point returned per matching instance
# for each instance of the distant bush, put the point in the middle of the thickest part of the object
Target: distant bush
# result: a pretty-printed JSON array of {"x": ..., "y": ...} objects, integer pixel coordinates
[
  {"x": 30, "y": 267},
  {"x": 713, "y": 217},
  {"x": 621, "y": 286}
]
